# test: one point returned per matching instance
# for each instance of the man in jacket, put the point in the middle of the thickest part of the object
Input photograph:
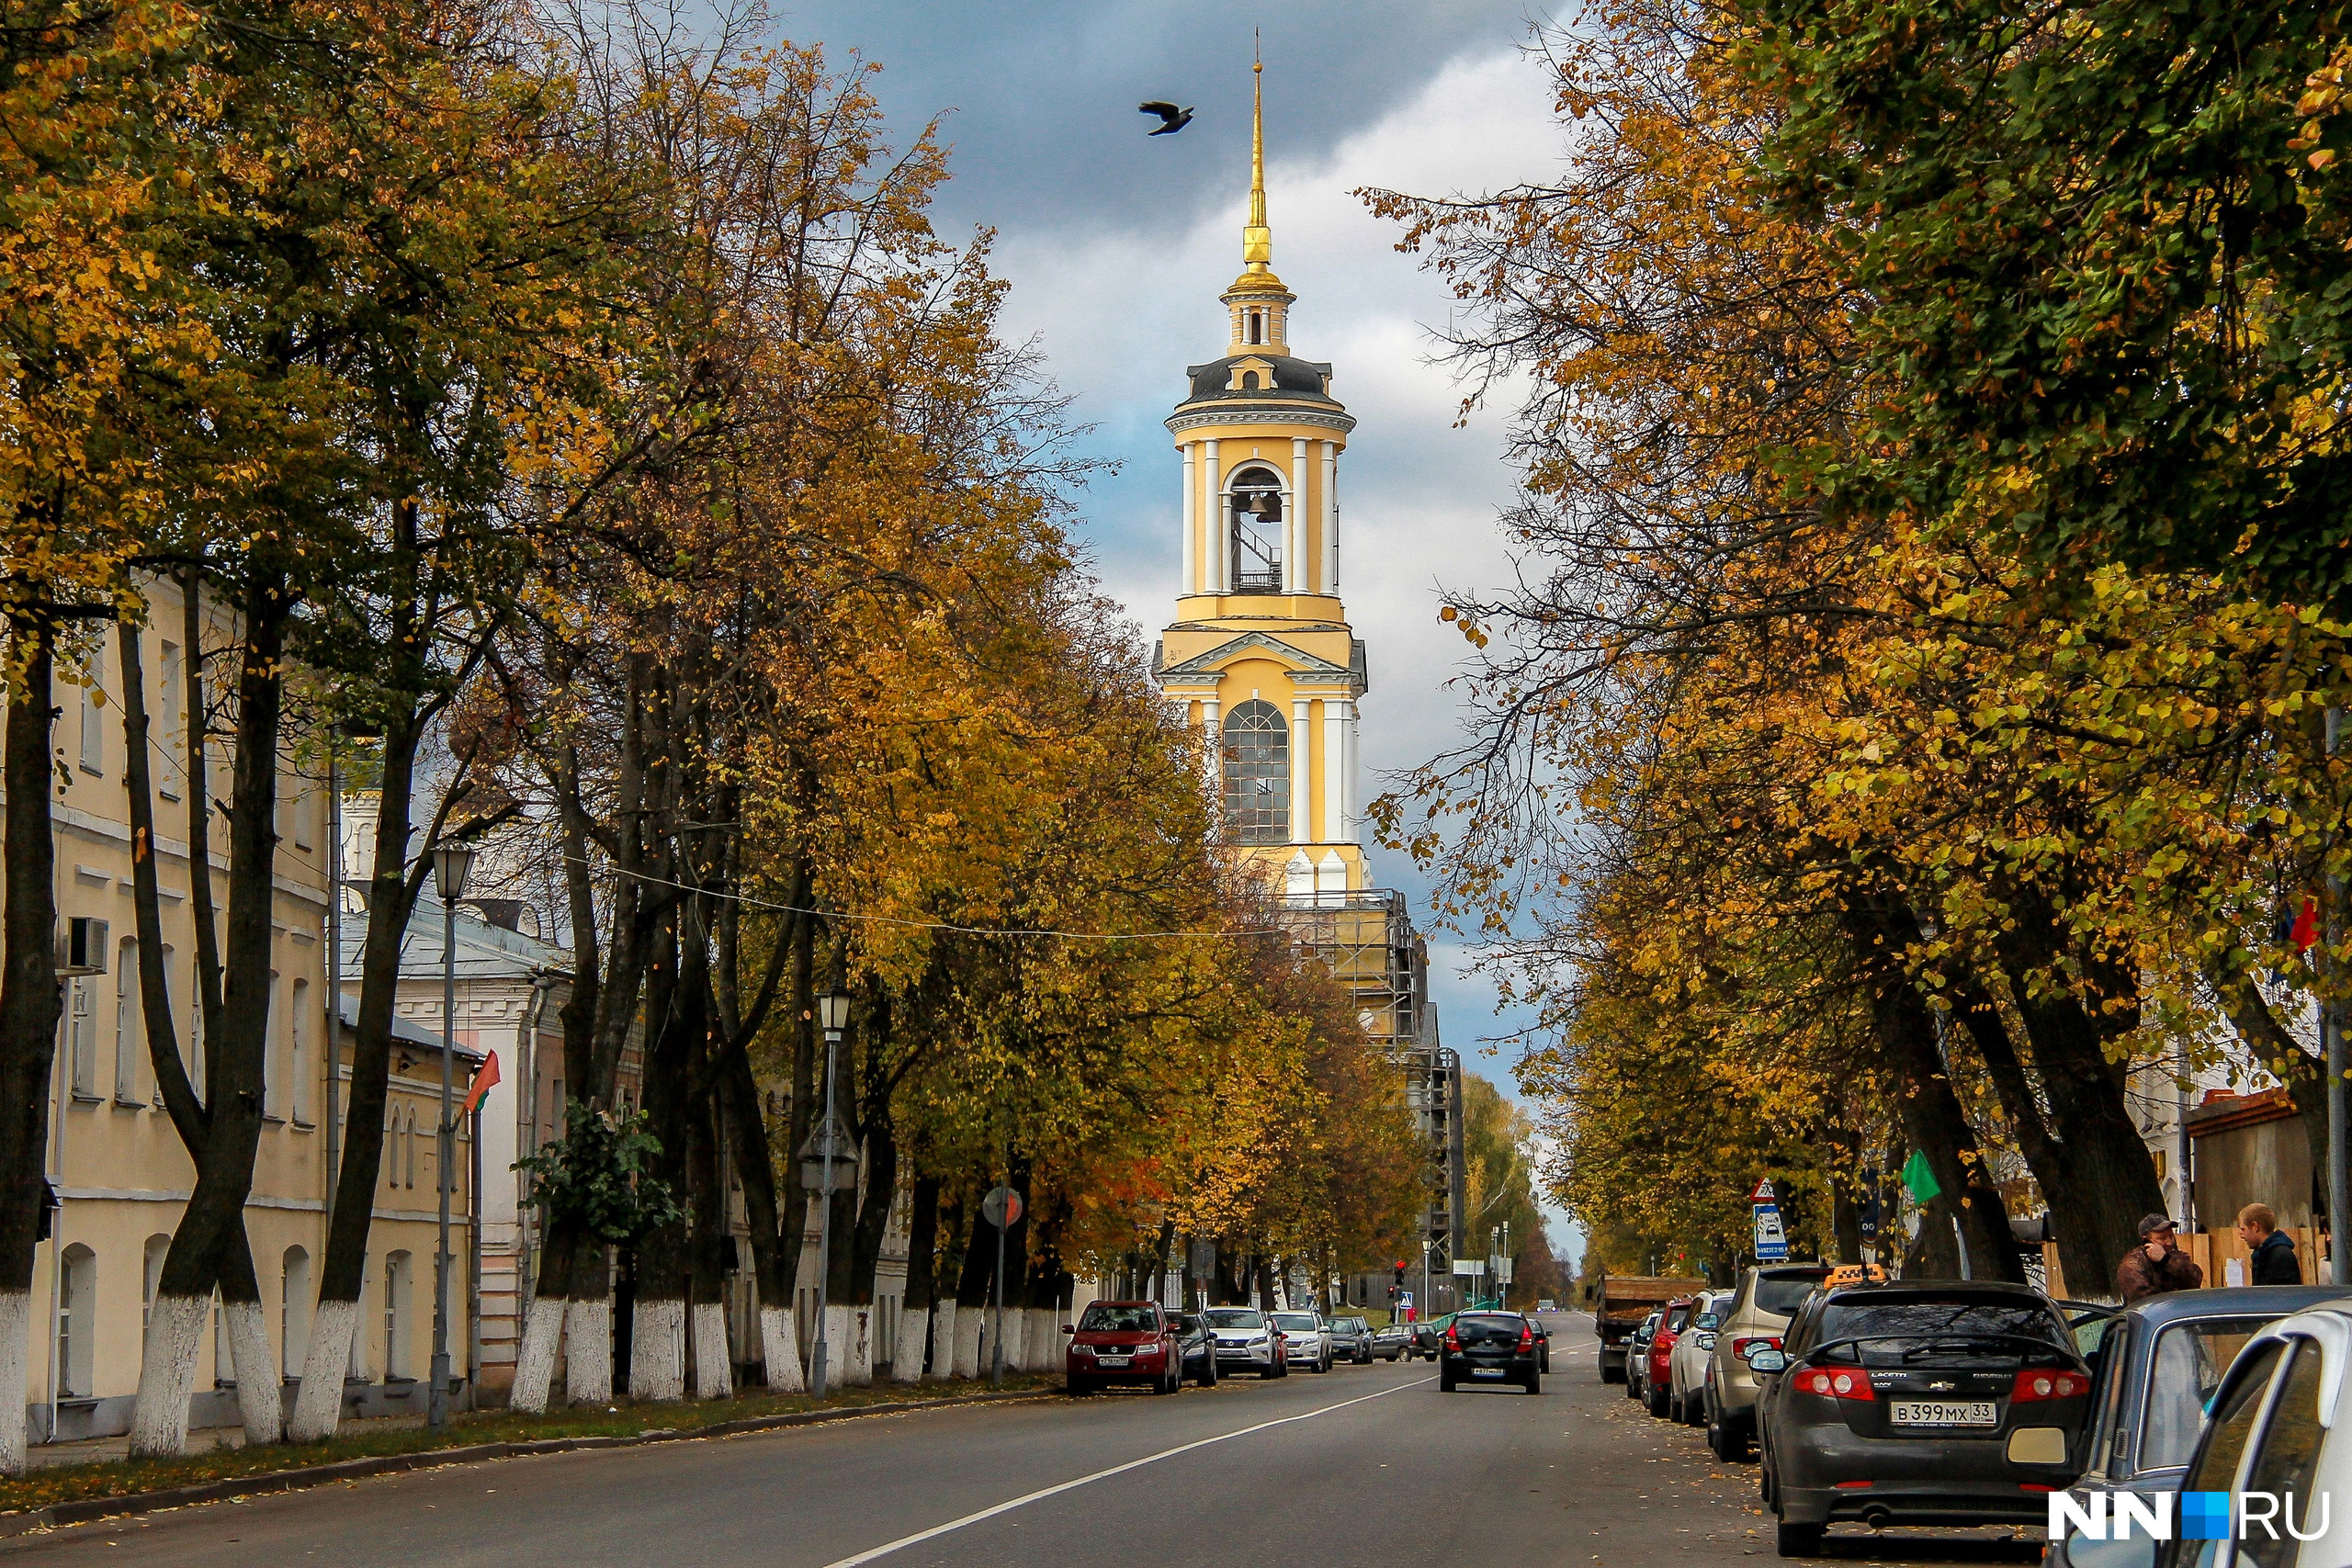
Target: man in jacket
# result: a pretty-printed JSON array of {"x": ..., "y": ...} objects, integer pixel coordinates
[
  {"x": 2271, "y": 1251},
  {"x": 2156, "y": 1263}
]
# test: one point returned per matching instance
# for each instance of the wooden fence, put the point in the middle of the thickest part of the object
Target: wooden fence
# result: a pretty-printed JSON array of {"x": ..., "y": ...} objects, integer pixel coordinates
[{"x": 2213, "y": 1251}]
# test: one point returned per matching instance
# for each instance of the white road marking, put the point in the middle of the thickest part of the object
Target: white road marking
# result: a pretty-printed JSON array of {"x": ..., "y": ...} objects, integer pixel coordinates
[{"x": 1005, "y": 1507}]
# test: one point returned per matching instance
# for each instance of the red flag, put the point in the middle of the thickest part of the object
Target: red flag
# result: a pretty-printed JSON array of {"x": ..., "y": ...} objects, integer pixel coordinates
[
  {"x": 484, "y": 1075},
  {"x": 2306, "y": 930}
]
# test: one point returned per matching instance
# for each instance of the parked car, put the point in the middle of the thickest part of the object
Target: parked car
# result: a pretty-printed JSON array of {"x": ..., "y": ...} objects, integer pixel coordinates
[
  {"x": 1769, "y": 1296},
  {"x": 1687, "y": 1367},
  {"x": 1427, "y": 1337},
  {"x": 1928, "y": 1403},
  {"x": 2275, "y": 1426},
  {"x": 1489, "y": 1347},
  {"x": 1655, "y": 1367},
  {"x": 1246, "y": 1342},
  {"x": 1350, "y": 1339},
  {"x": 2158, "y": 1364},
  {"x": 1637, "y": 1357},
  {"x": 1200, "y": 1348},
  {"x": 1393, "y": 1342},
  {"x": 1305, "y": 1340},
  {"x": 1115, "y": 1342},
  {"x": 1543, "y": 1344}
]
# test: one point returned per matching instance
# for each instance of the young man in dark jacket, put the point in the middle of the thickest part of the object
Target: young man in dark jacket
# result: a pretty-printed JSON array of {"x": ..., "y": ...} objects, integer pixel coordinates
[
  {"x": 2269, "y": 1250},
  {"x": 2156, "y": 1263}
]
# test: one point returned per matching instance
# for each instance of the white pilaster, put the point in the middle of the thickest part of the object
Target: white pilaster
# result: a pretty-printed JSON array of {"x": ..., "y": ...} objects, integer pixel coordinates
[
  {"x": 1190, "y": 581},
  {"x": 1336, "y": 713},
  {"x": 1302, "y": 830},
  {"x": 1296, "y": 577},
  {"x": 1220, "y": 559},
  {"x": 1352, "y": 801},
  {"x": 1329, "y": 512},
  {"x": 1213, "y": 765}
]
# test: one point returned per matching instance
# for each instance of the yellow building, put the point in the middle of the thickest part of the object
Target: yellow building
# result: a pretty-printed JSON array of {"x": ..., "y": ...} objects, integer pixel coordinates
[{"x": 1260, "y": 653}]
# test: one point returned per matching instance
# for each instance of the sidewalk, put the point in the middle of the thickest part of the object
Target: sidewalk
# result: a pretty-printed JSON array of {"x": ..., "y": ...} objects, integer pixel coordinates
[{"x": 210, "y": 1440}]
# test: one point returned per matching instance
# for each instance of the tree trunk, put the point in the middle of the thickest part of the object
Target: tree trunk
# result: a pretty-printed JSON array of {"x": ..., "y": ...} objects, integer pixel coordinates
[
  {"x": 739, "y": 1099},
  {"x": 28, "y": 1014},
  {"x": 714, "y": 1366},
  {"x": 907, "y": 1356}
]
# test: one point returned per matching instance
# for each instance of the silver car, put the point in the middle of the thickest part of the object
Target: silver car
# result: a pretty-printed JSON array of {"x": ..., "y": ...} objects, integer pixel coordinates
[
  {"x": 1246, "y": 1342},
  {"x": 1305, "y": 1338},
  {"x": 1687, "y": 1364},
  {"x": 1769, "y": 1296}
]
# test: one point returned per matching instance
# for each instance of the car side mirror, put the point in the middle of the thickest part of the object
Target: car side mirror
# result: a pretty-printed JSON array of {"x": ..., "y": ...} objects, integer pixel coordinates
[
  {"x": 1069, "y": 1328},
  {"x": 1707, "y": 1320},
  {"x": 1768, "y": 1360}
]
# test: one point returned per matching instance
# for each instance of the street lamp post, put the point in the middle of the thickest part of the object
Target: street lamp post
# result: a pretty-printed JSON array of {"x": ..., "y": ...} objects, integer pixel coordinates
[
  {"x": 823, "y": 1176},
  {"x": 453, "y": 861}
]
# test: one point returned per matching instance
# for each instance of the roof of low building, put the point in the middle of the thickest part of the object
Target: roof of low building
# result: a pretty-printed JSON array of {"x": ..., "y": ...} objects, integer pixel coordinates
[{"x": 485, "y": 952}]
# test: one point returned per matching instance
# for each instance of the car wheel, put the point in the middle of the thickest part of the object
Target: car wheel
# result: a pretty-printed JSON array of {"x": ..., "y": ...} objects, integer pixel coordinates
[
  {"x": 1674, "y": 1408},
  {"x": 1543, "y": 1362},
  {"x": 1796, "y": 1541},
  {"x": 1444, "y": 1381},
  {"x": 1170, "y": 1382},
  {"x": 1207, "y": 1376},
  {"x": 1658, "y": 1404},
  {"x": 1725, "y": 1444},
  {"x": 1326, "y": 1365},
  {"x": 1534, "y": 1381}
]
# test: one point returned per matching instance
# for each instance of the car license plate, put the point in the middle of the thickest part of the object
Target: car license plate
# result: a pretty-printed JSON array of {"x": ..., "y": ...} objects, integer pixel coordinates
[
  {"x": 1944, "y": 1412},
  {"x": 1486, "y": 1372},
  {"x": 1121, "y": 1360}
]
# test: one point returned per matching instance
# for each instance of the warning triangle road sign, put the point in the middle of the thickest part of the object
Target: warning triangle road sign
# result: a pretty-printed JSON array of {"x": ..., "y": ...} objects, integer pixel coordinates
[{"x": 1763, "y": 1194}]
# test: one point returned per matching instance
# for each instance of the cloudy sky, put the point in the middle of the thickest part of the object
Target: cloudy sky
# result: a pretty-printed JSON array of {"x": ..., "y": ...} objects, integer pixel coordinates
[{"x": 1117, "y": 245}]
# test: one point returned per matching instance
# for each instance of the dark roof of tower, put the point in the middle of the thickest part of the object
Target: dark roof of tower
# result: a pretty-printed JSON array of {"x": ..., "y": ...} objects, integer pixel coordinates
[{"x": 1292, "y": 377}]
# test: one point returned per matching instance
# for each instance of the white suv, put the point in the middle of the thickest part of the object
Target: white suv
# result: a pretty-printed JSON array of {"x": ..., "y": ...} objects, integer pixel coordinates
[
  {"x": 1687, "y": 1364},
  {"x": 1304, "y": 1338}
]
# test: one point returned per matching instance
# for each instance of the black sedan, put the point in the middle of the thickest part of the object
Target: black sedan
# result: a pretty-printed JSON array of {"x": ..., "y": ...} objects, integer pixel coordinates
[
  {"x": 1200, "y": 1349},
  {"x": 1489, "y": 1347},
  {"x": 1924, "y": 1403}
]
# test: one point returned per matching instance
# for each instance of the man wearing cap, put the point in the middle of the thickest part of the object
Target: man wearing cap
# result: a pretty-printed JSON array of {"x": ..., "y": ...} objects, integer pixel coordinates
[{"x": 2156, "y": 1263}]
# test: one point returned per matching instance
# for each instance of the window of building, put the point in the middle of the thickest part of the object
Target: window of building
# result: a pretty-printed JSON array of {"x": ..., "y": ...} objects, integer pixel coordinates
[
  {"x": 1256, "y": 505},
  {"x": 294, "y": 1312},
  {"x": 151, "y": 1277},
  {"x": 129, "y": 1038},
  {"x": 396, "y": 1315},
  {"x": 81, "y": 1035},
  {"x": 298, "y": 1056},
  {"x": 77, "y": 1303},
  {"x": 1257, "y": 774},
  {"x": 273, "y": 1072},
  {"x": 1257, "y": 334}
]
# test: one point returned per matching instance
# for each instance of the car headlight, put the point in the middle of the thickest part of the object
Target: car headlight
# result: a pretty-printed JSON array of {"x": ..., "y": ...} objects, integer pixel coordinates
[
  {"x": 1083, "y": 1349},
  {"x": 1262, "y": 1339}
]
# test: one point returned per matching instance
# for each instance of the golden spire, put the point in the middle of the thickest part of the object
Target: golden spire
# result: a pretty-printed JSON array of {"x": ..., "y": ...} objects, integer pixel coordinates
[{"x": 1256, "y": 239}]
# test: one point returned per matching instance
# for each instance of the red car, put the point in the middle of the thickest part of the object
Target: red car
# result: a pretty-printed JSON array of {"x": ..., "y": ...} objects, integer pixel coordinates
[
  {"x": 1123, "y": 1342},
  {"x": 1660, "y": 1378}
]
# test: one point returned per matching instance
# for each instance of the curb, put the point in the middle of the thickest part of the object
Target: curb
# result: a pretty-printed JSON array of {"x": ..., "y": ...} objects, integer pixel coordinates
[{"x": 84, "y": 1511}]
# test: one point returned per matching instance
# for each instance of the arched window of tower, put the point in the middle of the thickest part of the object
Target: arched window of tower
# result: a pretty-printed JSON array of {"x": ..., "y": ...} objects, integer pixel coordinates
[
  {"x": 1248, "y": 380},
  {"x": 1256, "y": 499},
  {"x": 1257, "y": 773}
]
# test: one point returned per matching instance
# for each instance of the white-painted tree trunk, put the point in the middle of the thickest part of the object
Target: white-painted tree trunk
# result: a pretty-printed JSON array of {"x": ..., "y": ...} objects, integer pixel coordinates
[
  {"x": 714, "y": 1363},
  {"x": 780, "y": 1350},
  {"x": 175, "y": 1328},
  {"x": 657, "y": 1351},
  {"x": 15, "y": 1353},
  {"x": 261, "y": 1396},
  {"x": 861, "y": 1346},
  {"x": 943, "y": 1318},
  {"x": 1017, "y": 1338},
  {"x": 535, "y": 1361},
  {"x": 1044, "y": 1339},
  {"x": 970, "y": 1326},
  {"x": 317, "y": 1404},
  {"x": 906, "y": 1356},
  {"x": 588, "y": 1351},
  {"x": 844, "y": 1327}
]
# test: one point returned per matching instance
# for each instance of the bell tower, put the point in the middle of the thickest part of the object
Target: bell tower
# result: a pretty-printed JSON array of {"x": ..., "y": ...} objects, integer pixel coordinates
[{"x": 1260, "y": 653}]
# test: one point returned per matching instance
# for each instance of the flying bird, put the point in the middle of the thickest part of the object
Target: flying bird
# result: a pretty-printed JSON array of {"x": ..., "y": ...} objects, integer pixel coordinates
[{"x": 1172, "y": 119}]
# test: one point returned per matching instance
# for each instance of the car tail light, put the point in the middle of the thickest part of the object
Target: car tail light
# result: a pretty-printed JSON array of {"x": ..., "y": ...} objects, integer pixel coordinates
[
  {"x": 1452, "y": 1339},
  {"x": 2047, "y": 1382},
  {"x": 1526, "y": 1338},
  {"x": 1835, "y": 1384},
  {"x": 1739, "y": 1347}
]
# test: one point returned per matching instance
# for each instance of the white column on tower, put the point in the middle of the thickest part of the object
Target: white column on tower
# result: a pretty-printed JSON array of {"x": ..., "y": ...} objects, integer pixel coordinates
[
  {"x": 1353, "y": 801},
  {"x": 1190, "y": 581},
  {"x": 1213, "y": 752},
  {"x": 1295, "y": 572},
  {"x": 1336, "y": 714},
  {"x": 1329, "y": 512},
  {"x": 1214, "y": 520},
  {"x": 1301, "y": 829}
]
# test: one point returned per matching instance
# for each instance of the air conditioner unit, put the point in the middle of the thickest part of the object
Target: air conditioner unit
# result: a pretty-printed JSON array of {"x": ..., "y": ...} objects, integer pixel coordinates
[{"x": 81, "y": 946}]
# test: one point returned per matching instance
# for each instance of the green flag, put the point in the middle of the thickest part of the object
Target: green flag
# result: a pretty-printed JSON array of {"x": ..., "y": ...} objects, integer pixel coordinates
[{"x": 1920, "y": 1181}]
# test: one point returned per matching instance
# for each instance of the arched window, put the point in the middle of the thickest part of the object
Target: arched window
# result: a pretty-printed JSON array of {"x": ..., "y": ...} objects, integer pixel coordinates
[
  {"x": 130, "y": 1040},
  {"x": 396, "y": 1314},
  {"x": 152, "y": 1276},
  {"x": 1256, "y": 500},
  {"x": 1248, "y": 380},
  {"x": 77, "y": 1302},
  {"x": 411, "y": 1141},
  {"x": 294, "y": 1312},
  {"x": 1257, "y": 774}
]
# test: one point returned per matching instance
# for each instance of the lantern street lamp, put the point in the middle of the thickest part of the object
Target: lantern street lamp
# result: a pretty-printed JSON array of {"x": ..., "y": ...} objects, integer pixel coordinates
[
  {"x": 827, "y": 1167},
  {"x": 452, "y": 862}
]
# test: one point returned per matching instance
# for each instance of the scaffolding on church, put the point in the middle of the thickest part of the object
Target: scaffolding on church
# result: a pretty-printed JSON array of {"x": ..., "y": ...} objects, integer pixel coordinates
[{"x": 1367, "y": 942}]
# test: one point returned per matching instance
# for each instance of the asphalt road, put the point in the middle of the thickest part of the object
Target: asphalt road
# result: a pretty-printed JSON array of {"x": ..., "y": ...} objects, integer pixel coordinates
[{"x": 1365, "y": 1467}]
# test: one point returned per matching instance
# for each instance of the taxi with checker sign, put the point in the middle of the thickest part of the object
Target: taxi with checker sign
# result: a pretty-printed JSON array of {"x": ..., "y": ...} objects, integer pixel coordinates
[{"x": 1931, "y": 1403}]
